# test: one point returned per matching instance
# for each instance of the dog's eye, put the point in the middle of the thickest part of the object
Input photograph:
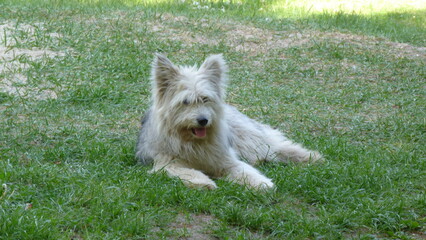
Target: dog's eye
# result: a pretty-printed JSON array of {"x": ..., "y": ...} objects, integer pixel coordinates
[
  {"x": 185, "y": 102},
  {"x": 205, "y": 99}
]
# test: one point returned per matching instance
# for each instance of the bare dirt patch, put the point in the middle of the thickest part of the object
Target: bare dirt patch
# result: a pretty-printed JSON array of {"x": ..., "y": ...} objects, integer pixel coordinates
[
  {"x": 193, "y": 226},
  {"x": 238, "y": 36},
  {"x": 12, "y": 81}
]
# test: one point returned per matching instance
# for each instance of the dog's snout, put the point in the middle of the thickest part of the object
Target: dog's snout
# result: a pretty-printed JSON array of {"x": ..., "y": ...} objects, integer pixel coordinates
[{"x": 202, "y": 121}]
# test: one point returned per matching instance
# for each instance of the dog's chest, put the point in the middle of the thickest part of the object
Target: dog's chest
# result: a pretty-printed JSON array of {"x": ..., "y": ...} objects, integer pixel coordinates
[{"x": 208, "y": 159}]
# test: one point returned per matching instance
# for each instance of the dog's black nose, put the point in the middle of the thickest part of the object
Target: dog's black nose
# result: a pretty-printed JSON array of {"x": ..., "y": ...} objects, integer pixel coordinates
[{"x": 202, "y": 121}]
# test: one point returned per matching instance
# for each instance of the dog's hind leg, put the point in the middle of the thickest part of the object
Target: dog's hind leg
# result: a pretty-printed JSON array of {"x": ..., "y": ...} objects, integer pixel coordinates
[
  {"x": 190, "y": 177},
  {"x": 289, "y": 151}
]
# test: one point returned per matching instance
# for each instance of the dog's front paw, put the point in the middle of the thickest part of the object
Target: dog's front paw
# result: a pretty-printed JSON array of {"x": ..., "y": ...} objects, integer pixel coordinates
[
  {"x": 258, "y": 182},
  {"x": 263, "y": 184},
  {"x": 200, "y": 184}
]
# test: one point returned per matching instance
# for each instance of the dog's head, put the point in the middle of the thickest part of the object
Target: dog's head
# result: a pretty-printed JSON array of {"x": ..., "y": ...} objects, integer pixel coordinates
[{"x": 188, "y": 100}]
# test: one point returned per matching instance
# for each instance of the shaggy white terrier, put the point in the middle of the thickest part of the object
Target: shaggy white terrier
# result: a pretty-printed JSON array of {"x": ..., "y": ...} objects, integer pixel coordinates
[{"x": 191, "y": 133}]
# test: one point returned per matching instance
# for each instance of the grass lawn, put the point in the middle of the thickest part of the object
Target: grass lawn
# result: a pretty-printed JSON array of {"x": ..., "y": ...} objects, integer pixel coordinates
[{"x": 346, "y": 79}]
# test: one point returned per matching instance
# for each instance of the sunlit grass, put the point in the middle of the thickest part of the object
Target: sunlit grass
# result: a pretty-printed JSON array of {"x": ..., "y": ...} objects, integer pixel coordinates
[
  {"x": 337, "y": 6},
  {"x": 283, "y": 8},
  {"x": 291, "y": 7}
]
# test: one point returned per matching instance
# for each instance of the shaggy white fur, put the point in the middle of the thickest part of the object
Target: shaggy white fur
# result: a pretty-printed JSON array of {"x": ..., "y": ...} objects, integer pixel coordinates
[{"x": 192, "y": 134}]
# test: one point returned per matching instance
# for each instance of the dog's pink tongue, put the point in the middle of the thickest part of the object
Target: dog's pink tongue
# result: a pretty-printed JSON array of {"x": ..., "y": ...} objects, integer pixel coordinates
[{"x": 200, "y": 132}]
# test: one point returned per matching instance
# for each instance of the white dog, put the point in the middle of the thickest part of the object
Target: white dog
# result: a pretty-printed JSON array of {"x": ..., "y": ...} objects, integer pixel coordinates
[{"x": 191, "y": 133}]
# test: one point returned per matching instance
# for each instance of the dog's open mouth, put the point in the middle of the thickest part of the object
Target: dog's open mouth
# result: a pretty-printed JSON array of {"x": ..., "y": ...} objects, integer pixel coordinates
[{"x": 199, "y": 132}]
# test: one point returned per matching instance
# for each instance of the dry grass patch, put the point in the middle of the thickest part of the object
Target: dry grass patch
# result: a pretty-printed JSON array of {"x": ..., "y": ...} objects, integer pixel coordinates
[
  {"x": 255, "y": 41},
  {"x": 238, "y": 36}
]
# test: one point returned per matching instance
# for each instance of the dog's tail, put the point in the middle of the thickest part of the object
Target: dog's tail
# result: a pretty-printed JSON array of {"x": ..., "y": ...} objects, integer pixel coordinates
[
  {"x": 143, "y": 159},
  {"x": 141, "y": 154}
]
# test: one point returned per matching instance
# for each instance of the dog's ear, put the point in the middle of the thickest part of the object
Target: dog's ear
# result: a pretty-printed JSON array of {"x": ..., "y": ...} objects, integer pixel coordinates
[
  {"x": 215, "y": 69},
  {"x": 164, "y": 73}
]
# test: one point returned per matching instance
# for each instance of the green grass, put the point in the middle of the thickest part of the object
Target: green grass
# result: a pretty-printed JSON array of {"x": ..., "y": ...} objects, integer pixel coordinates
[{"x": 349, "y": 82}]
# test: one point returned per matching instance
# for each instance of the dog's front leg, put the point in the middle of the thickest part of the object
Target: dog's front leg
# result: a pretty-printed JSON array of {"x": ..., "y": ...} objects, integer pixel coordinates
[
  {"x": 243, "y": 173},
  {"x": 190, "y": 177}
]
